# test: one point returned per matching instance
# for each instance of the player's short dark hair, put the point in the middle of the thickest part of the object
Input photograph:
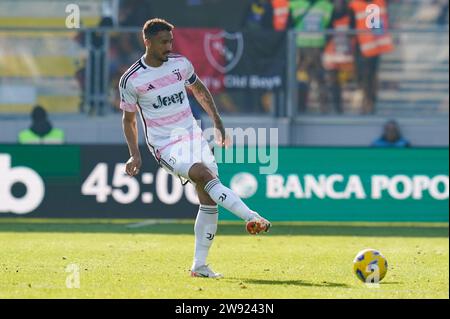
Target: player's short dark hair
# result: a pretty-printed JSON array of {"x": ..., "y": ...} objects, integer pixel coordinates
[{"x": 153, "y": 26}]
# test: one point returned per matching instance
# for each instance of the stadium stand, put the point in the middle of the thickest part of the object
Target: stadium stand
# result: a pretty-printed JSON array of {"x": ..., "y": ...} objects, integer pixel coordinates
[
  {"x": 41, "y": 67},
  {"x": 44, "y": 68},
  {"x": 414, "y": 78}
]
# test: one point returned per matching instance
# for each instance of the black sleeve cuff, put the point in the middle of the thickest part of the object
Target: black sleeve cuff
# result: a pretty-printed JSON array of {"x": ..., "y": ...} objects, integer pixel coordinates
[{"x": 192, "y": 79}]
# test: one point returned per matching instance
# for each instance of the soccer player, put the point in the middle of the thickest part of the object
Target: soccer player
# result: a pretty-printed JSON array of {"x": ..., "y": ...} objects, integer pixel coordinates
[{"x": 155, "y": 87}]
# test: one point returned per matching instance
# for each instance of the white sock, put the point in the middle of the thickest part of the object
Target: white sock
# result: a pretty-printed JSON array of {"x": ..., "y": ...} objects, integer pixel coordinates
[
  {"x": 205, "y": 230},
  {"x": 228, "y": 199}
]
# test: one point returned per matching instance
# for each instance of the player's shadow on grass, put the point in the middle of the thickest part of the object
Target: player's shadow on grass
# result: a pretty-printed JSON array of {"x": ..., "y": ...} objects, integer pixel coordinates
[
  {"x": 289, "y": 283},
  {"x": 225, "y": 229}
]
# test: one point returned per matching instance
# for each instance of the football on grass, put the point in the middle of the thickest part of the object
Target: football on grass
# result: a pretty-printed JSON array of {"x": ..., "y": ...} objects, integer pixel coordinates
[{"x": 370, "y": 266}]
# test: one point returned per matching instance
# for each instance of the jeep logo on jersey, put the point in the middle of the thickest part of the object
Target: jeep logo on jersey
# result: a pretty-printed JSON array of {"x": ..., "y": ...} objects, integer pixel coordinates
[{"x": 168, "y": 100}]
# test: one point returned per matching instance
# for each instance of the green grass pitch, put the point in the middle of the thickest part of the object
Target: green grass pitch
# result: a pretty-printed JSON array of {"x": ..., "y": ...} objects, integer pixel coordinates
[{"x": 116, "y": 259}]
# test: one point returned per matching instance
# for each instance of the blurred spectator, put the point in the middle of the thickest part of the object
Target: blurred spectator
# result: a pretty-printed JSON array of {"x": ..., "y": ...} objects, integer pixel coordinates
[
  {"x": 339, "y": 51},
  {"x": 201, "y": 2},
  {"x": 311, "y": 17},
  {"x": 41, "y": 130},
  {"x": 391, "y": 136},
  {"x": 280, "y": 18},
  {"x": 442, "y": 19},
  {"x": 98, "y": 56},
  {"x": 431, "y": 12},
  {"x": 125, "y": 48},
  {"x": 194, "y": 2},
  {"x": 373, "y": 41},
  {"x": 134, "y": 13},
  {"x": 97, "y": 96},
  {"x": 259, "y": 15}
]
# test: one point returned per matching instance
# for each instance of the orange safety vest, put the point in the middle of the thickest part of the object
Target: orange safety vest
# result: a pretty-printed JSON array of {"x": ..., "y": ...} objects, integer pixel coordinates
[
  {"x": 280, "y": 14},
  {"x": 372, "y": 41},
  {"x": 338, "y": 53}
]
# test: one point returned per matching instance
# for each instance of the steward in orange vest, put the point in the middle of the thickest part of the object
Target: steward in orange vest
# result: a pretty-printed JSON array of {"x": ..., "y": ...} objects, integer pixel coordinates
[
  {"x": 374, "y": 39},
  {"x": 371, "y": 20},
  {"x": 280, "y": 14},
  {"x": 339, "y": 50}
]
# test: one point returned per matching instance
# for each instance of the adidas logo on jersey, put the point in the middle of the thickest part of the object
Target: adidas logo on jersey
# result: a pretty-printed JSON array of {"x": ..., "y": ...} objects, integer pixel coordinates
[{"x": 168, "y": 100}]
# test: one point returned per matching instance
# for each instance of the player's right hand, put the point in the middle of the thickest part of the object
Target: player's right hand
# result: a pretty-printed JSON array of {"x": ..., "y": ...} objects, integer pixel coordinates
[{"x": 133, "y": 165}]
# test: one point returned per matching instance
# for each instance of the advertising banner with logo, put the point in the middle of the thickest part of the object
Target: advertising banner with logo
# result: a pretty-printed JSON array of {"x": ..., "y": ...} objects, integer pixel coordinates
[
  {"x": 308, "y": 184},
  {"x": 344, "y": 184},
  {"x": 235, "y": 60},
  {"x": 85, "y": 182}
]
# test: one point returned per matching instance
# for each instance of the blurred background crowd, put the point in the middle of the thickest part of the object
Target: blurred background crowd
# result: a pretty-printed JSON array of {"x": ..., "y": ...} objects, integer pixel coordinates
[{"x": 304, "y": 61}]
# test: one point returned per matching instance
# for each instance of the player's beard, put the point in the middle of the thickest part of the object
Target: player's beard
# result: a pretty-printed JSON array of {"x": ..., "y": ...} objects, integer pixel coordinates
[{"x": 165, "y": 58}]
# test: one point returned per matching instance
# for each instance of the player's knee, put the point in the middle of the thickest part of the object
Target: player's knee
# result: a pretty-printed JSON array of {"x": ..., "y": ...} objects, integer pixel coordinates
[
  {"x": 205, "y": 176},
  {"x": 200, "y": 174}
]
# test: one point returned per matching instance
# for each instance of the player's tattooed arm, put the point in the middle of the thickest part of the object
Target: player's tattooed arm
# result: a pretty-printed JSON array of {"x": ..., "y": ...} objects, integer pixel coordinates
[
  {"x": 130, "y": 130},
  {"x": 204, "y": 97}
]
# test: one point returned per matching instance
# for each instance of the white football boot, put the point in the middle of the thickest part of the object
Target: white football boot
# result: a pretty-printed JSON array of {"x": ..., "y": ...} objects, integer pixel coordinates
[{"x": 205, "y": 272}]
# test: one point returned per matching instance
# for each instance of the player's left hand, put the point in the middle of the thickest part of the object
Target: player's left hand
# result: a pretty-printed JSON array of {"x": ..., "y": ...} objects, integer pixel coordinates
[{"x": 222, "y": 139}]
